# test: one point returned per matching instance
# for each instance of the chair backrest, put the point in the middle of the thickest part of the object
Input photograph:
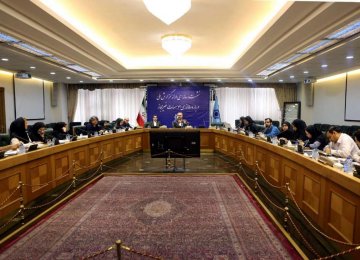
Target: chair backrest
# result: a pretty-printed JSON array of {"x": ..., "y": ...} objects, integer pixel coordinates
[
  {"x": 276, "y": 123},
  {"x": 324, "y": 128},
  {"x": 79, "y": 129},
  {"x": 4, "y": 139},
  {"x": 353, "y": 129}
]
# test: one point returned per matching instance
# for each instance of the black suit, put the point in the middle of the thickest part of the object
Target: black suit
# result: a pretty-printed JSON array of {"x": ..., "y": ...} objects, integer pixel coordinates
[
  {"x": 152, "y": 124},
  {"x": 183, "y": 123}
]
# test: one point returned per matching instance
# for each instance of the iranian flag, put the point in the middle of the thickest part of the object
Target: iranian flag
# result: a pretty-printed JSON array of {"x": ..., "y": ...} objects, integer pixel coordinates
[{"x": 141, "y": 118}]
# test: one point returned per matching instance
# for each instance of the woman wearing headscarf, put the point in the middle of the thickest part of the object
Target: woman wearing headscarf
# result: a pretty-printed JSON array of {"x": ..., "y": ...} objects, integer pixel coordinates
[
  {"x": 38, "y": 132},
  {"x": 250, "y": 125},
  {"x": 316, "y": 138},
  {"x": 60, "y": 131},
  {"x": 287, "y": 131},
  {"x": 18, "y": 131},
  {"x": 93, "y": 125},
  {"x": 299, "y": 127}
]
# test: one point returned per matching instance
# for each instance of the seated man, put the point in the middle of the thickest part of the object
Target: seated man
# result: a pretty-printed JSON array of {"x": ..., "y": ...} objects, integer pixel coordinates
[
  {"x": 270, "y": 130},
  {"x": 155, "y": 123},
  {"x": 126, "y": 124},
  {"x": 341, "y": 144},
  {"x": 180, "y": 122}
]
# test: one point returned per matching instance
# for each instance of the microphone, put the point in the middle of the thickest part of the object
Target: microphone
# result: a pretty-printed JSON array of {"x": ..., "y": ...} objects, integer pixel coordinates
[{"x": 22, "y": 139}]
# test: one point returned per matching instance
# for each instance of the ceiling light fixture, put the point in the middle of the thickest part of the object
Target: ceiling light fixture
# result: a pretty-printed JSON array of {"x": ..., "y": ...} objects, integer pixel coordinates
[
  {"x": 5, "y": 59},
  {"x": 292, "y": 76},
  {"x": 176, "y": 44},
  {"x": 168, "y": 11},
  {"x": 52, "y": 73},
  {"x": 306, "y": 72},
  {"x": 349, "y": 57},
  {"x": 32, "y": 67},
  {"x": 324, "y": 66}
]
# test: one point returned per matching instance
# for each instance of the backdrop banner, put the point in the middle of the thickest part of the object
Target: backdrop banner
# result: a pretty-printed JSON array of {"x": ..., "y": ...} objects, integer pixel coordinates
[{"x": 166, "y": 101}]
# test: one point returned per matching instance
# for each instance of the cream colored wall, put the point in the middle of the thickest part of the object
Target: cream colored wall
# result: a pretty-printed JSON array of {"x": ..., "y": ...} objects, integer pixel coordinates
[
  {"x": 329, "y": 102},
  {"x": 52, "y": 114}
]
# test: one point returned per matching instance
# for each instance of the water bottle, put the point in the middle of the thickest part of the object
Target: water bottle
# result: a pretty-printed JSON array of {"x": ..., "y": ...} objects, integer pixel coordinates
[
  {"x": 21, "y": 148},
  {"x": 274, "y": 140},
  {"x": 348, "y": 165},
  {"x": 315, "y": 154}
]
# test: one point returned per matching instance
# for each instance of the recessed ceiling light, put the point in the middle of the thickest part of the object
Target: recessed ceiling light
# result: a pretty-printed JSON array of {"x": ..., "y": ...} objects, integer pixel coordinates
[
  {"x": 250, "y": 80},
  {"x": 172, "y": 80},
  {"x": 306, "y": 72},
  {"x": 81, "y": 81},
  {"x": 32, "y": 67},
  {"x": 141, "y": 80},
  {"x": 187, "y": 80},
  {"x": 219, "y": 80},
  {"x": 349, "y": 57},
  {"x": 292, "y": 76},
  {"x": 5, "y": 59},
  {"x": 68, "y": 77},
  {"x": 280, "y": 80},
  {"x": 52, "y": 73},
  {"x": 324, "y": 66}
]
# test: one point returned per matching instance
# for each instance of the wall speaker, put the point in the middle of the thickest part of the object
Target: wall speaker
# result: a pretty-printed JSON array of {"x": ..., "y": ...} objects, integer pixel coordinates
[
  {"x": 309, "y": 94},
  {"x": 54, "y": 94}
]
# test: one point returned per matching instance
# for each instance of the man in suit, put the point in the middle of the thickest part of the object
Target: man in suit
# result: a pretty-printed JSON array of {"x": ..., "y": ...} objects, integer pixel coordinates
[
  {"x": 155, "y": 123},
  {"x": 180, "y": 122}
]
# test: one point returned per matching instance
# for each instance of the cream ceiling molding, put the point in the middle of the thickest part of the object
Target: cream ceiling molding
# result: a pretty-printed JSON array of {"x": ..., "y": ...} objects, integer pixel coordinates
[
  {"x": 176, "y": 44},
  {"x": 168, "y": 11}
]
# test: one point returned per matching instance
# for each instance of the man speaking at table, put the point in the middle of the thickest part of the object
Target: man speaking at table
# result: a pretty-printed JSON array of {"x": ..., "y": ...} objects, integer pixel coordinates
[{"x": 180, "y": 122}]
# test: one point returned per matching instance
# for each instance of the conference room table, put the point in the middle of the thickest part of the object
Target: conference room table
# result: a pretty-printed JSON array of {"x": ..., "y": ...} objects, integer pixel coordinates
[{"x": 329, "y": 197}]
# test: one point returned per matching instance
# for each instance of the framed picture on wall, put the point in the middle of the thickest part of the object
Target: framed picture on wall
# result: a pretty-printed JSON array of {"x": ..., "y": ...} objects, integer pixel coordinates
[{"x": 291, "y": 111}]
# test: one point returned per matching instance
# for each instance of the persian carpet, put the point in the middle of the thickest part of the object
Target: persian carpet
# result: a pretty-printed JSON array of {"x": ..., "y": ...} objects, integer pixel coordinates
[{"x": 174, "y": 217}]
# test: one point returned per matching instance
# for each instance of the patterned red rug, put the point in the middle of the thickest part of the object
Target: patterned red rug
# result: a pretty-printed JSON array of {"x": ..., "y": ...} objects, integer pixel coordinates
[{"x": 175, "y": 217}]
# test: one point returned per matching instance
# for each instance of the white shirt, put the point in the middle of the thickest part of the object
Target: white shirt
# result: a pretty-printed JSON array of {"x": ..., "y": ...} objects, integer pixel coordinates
[{"x": 344, "y": 147}]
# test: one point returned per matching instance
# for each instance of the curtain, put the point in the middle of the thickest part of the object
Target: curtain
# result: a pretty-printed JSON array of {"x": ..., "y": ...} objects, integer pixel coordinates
[
  {"x": 109, "y": 104},
  {"x": 259, "y": 103},
  {"x": 72, "y": 98}
]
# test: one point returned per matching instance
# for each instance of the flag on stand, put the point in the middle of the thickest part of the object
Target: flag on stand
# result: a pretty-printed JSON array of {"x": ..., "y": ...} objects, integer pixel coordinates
[
  {"x": 141, "y": 118},
  {"x": 216, "y": 113}
]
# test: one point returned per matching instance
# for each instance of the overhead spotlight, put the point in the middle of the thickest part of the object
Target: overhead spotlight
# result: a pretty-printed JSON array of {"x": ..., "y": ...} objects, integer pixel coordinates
[
  {"x": 172, "y": 80},
  {"x": 5, "y": 59},
  {"x": 324, "y": 66},
  {"x": 219, "y": 80},
  {"x": 306, "y": 72},
  {"x": 349, "y": 57},
  {"x": 32, "y": 67},
  {"x": 250, "y": 80},
  {"x": 68, "y": 77},
  {"x": 81, "y": 81},
  {"x": 141, "y": 80},
  {"x": 52, "y": 73},
  {"x": 280, "y": 80},
  {"x": 292, "y": 76},
  {"x": 187, "y": 80}
]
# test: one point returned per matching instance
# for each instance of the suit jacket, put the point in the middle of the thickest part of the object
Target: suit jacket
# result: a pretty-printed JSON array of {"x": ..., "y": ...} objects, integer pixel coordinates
[
  {"x": 151, "y": 124},
  {"x": 181, "y": 124}
]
